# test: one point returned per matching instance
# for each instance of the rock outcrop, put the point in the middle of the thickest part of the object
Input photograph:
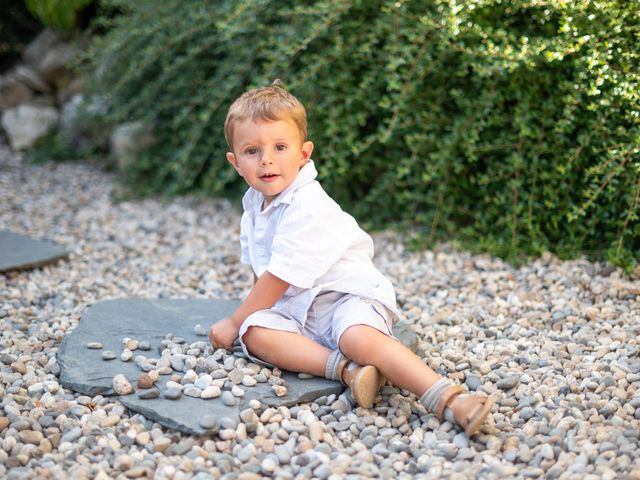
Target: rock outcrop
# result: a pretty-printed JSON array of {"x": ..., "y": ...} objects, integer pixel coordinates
[{"x": 34, "y": 92}]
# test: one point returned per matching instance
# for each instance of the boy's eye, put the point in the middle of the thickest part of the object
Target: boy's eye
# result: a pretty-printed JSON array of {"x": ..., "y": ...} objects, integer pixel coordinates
[
  {"x": 251, "y": 151},
  {"x": 281, "y": 147}
]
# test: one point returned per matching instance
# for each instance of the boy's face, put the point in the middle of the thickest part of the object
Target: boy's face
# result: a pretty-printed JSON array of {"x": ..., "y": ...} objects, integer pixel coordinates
[{"x": 268, "y": 155}]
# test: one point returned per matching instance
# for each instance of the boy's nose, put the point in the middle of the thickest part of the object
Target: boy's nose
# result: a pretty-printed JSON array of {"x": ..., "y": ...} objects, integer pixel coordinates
[{"x": 265, "y": 159}]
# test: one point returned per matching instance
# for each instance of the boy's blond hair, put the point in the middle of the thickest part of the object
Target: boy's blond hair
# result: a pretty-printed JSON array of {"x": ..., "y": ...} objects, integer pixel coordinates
[{"x": 266, "y": 103}]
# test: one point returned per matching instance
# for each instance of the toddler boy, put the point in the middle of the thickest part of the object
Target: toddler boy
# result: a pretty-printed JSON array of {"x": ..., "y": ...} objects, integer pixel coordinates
[{"x": 318, "y": 304}]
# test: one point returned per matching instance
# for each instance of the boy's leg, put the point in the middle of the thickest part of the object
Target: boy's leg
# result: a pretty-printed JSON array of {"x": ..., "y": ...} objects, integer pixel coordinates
[
  {"x": 274, "y": 337},
  {"x": 288, "y": 350},
  {"x": 295, "y": 352},
  {"x": 369, "y": 346}
]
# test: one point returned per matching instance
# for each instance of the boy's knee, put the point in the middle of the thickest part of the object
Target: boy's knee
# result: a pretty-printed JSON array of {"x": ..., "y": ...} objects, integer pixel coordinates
[
  {"x": 253, "y": 338},
  {"x": 353, "y": 342}
]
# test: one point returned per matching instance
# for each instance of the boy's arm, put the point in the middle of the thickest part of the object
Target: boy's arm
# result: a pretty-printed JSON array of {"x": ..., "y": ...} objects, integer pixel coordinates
[{"x": 264, "y": 294}]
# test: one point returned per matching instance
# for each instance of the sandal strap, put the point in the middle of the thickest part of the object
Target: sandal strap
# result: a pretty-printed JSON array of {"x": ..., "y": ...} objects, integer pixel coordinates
[
  {"x": 480, "y": 412},
  {"x": 448, "y": 394},
  {"x": 349, "y": 365}
]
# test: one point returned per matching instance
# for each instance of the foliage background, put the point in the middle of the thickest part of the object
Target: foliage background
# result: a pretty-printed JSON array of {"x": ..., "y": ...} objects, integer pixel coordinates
[
  {"x": 61, "y": 14},
  {"x": 510, "y": 126},
  {"x": 17, "y": 28}
]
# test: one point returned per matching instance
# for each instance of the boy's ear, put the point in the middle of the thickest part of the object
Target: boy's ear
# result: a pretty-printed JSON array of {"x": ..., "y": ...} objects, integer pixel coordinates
[
  {"x": 307, "y": 150},
  {"x": 231, "y": 158}
]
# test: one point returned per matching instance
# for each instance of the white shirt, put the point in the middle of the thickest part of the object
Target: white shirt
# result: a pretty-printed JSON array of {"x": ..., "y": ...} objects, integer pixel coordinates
[{"x": 304, "y": 238}]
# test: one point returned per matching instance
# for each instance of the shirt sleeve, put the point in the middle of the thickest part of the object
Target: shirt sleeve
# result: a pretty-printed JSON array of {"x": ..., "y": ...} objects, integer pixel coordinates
[
  {"x": 244, "y": 240},
  {"x": 308, "y": 243}
]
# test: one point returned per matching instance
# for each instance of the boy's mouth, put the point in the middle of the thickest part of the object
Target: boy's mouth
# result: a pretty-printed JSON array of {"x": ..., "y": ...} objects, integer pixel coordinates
[{"x": 269, "y": 177}]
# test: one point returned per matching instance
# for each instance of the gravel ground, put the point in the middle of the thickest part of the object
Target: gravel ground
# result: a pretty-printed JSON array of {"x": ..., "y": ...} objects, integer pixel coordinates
[{"x": 555, "y": 342}]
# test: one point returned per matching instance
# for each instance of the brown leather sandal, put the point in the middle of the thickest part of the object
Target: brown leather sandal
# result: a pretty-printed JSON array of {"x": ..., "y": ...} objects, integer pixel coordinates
[
  {"x": 363, "y": 381},
  {"x": 469, "y": 411}
]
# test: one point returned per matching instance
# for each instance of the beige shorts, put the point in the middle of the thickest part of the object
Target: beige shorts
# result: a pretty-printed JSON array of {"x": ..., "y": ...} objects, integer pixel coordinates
[{"x": 327, "y": 319}]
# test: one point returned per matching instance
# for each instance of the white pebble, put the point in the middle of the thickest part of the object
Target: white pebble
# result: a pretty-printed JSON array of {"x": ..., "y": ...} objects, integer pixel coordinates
[
  {"x": 237, "y": 391},
  {"x": 130, "y": 343},
  {"x": 126, "y": 355},
  {"x": 211, "y": 392},
  {"x": 121, "y": 385},
  {"x": 280, "y": 390},
  {"x": 200, "y": 330}
]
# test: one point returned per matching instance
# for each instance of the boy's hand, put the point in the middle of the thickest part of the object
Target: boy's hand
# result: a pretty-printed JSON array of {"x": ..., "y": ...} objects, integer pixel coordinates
[
  {"x": 223, "y": 333},
  {"x": 267, "y": 290}
]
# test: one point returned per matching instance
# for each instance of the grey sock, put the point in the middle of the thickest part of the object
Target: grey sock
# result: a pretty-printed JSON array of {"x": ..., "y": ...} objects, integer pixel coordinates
[
  {"x": 432, "y": 396},
  {"x": 331, "y": 369}
]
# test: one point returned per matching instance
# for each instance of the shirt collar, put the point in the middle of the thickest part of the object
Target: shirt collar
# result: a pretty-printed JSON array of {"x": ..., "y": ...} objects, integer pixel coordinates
[{"x": 253, "y": 198}]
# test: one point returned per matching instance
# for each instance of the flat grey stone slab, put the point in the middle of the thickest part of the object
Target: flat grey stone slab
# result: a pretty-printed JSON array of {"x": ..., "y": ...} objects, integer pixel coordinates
[
  {"x": 20, "y": 252},
  {"x": 109, "y": 321}
]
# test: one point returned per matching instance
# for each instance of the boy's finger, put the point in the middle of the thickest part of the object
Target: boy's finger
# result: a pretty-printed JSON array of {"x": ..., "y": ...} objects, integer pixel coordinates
[{"x": 212, "y": 340}]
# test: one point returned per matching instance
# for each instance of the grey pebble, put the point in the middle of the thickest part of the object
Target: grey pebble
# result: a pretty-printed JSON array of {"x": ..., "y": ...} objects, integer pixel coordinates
[
  {"x": 473, "y": 382},
  {"x": 228, "y": 398},
  {"x": 177, "y": 363},
  {"x": 547, "y": 452},
  {"x": 208, "y": 421},
  {"x": 192, "y": 392},
  {"x": 172, "y": 393},
  {"x": 72, "y": 435},
  {"x": 322, "y": 472},
  {"x": 508, "y": 382},
  {"x": 526, "y": 413},
  {"x": 46, "y": 421},
  {"x": 245, "y": 454},
  {"x": 228, "y": 422},
  {"x": 460, "y": 440},
  {"x": 466, "y": 453},
  {"x": 20, "y": 425},
  {"x": 108, "y": 355},
  {"x": 283, "y": 453},
  {"x": 447, "y": 450},
  {"x": 7, "y": 358},
  {"x": 229, "y": 363},
  {"x": 149, "y": 394}
]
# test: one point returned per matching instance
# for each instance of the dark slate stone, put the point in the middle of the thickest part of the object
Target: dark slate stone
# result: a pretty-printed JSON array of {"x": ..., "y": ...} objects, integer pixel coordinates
[
  {"x": 84, "y": 371},
  {"x": 109, "y": 321},
  {"x": 19, "y": 252}
]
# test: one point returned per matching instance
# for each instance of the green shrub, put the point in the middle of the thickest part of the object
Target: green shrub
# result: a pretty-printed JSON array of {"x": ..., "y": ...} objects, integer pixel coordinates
[
  {"x": 511, "y": 126},
  {"x": 60, "y": 14}
]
